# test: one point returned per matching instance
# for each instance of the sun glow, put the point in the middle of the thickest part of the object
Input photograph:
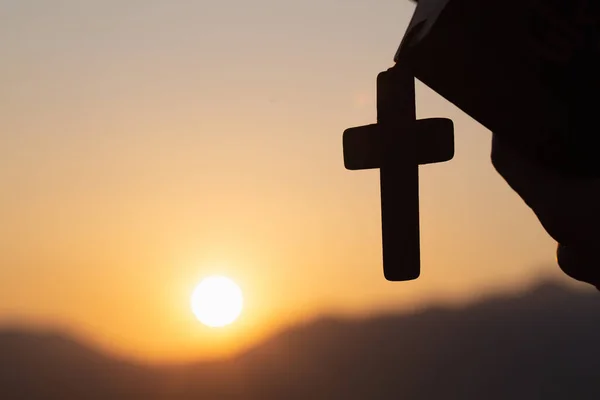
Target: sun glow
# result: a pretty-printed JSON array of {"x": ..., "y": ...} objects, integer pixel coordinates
[{"x": 217, "y": 301}]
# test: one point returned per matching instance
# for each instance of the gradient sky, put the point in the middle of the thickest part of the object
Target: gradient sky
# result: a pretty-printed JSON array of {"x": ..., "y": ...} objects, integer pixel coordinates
[{"x": 147, "y": 144}]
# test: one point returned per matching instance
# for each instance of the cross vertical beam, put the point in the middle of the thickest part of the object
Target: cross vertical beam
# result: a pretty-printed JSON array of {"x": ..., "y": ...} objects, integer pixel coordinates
[{"x": 399, "y": 174}]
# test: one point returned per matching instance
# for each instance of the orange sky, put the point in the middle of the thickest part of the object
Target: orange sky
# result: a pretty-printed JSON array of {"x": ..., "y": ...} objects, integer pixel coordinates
[{"x": 147, "y": 144}]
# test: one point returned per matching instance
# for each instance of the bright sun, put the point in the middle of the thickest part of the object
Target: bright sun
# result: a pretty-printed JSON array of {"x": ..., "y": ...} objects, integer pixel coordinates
[{"x": 217, "y": 301}]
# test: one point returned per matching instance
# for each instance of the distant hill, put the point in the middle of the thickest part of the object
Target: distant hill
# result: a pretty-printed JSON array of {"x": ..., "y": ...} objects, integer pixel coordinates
[{"x": 544, "y": 344}]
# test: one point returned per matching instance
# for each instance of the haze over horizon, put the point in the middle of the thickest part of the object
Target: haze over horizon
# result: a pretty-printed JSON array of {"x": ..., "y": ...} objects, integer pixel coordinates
[
  {"x": 504, "y": 347},
  {"x": 44, "y": 330},
  {"x": 547, "y": 291},
  {"x": 147, "y": 144}
]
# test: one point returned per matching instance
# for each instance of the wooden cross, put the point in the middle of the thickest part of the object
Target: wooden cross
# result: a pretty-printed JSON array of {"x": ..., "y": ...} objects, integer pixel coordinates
[{"x": 397, "y": 144}]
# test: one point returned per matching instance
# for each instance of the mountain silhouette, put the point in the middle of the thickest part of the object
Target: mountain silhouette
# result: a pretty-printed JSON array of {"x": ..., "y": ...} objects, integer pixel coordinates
[{"x": 541, "y": 344}]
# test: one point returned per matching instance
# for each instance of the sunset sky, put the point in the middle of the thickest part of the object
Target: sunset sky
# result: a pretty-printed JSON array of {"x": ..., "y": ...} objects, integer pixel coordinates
[{"x": 145, "y": 144}]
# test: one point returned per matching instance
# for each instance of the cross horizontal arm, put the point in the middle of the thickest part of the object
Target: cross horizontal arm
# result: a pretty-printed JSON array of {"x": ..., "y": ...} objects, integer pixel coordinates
[{"x": 363, "y": 144}]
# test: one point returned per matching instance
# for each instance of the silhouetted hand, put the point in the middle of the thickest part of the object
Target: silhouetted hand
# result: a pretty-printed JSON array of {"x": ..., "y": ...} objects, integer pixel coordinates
[{"x": 567, "y": 207}]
